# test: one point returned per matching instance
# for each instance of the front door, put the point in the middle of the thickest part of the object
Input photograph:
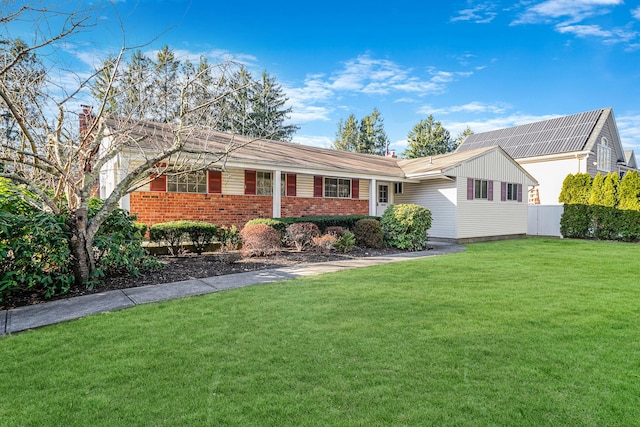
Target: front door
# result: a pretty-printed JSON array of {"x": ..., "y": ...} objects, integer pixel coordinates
[{"x": 383, "y": 199}]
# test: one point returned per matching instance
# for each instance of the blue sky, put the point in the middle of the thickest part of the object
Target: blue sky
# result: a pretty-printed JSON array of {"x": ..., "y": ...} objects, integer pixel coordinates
[{"x": 485, "y": 64}]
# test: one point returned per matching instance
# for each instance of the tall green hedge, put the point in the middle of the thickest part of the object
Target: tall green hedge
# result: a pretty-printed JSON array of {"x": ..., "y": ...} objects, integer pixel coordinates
[{"x": 600, "y": 222}]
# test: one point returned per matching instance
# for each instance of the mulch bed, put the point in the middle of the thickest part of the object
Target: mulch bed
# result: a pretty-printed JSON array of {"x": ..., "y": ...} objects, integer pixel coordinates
[{"x": 192, "y": 266}]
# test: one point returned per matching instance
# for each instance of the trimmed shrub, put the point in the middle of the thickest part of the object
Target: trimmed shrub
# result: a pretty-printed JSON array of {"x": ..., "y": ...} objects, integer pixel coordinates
[
  {"x": 259, "y": 239},
  {"x": 175, "y": 233},
  {"x": 368, "y": 233},
  {"x": 405, "y": 226},
  {"x": 346, "y": 242},
  {"x": 276, "y": 223},
  {"x": 229, "y": 238},
  {"x": 324, "y": 243},
  {"x": 170, "y": 233},
  {"x": 301, "y": 235},
  {"x": 323, "y": 222},
  {"x": 201, "y": 234}
]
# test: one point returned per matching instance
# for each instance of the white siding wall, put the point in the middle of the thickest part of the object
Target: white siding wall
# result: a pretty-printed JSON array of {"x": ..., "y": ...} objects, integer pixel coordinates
[
  {"x": 483, "y": 218},
  {"x": 551, "y": 175},
  {"x": 439, "y": 196}
]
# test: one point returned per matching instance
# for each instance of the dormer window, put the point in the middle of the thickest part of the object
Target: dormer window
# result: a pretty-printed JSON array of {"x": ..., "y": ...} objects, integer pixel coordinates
[{"x": 603, "y": 156}]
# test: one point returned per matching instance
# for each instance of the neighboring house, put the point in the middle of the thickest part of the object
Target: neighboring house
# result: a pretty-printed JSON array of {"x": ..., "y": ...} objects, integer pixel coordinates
[
  {"x": 476, "y": 194},
  {"x": 551, "y": 149}
]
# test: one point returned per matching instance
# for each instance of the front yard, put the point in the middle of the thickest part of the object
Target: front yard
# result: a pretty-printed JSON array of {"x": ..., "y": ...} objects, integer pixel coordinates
[{"x": 524, "y": 332}]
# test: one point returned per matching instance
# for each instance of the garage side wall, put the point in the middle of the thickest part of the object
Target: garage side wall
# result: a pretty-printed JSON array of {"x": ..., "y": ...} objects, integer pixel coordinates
[{"x": 439, "y": 196}]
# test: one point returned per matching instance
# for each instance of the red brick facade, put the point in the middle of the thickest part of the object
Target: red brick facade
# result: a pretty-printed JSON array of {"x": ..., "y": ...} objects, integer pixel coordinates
[{"x": 222, "y": 209}]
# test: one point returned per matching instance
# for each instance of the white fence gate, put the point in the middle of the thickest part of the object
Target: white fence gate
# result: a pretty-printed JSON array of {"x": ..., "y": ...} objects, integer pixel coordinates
[{"x": 544, "y": 220}]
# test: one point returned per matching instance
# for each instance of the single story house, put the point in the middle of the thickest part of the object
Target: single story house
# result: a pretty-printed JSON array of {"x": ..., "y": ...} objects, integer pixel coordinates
[
  {"x": 552, "y": 149},
  {"x": 474, "y": 194}
]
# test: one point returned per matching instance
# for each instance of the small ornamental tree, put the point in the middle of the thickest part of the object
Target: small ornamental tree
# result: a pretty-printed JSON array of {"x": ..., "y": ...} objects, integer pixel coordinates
[
  {"x": 629, "y": 192},
  {"x": 597, "y": 191},
  {"x": 405, "y": 226}
]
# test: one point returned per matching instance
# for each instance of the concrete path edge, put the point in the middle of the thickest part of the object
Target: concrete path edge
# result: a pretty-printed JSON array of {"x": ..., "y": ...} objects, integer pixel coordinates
[{"x": 34, "y": 316}]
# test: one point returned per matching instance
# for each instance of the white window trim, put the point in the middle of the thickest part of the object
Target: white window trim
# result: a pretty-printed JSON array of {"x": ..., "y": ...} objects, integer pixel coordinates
[{"x": 337, "y": 196}]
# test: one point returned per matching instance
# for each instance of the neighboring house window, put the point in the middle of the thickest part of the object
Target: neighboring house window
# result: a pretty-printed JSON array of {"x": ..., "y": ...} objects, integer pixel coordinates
[
  {"x": 603, "y": 159},
  {"x": 337, "y": 187},
  {"x": 264, "y": 186},
  {"x": 190, "y": 182},
  {"x": 397, "y": 188}
]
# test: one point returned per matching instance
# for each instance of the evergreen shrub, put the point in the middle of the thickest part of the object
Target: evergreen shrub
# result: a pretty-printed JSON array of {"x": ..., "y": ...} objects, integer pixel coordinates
[
  {"x": 368, "y": 233},
  {"x": 405, "y": 226}
]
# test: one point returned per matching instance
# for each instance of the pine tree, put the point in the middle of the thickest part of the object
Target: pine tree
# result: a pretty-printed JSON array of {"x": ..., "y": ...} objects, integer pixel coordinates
[
  {"x": 597, "y": 191},
  {"x": 428, "y": 138},
  {"x": 368, "y": 136},
  {"x": 268, "y": 111},
  {"x": 629, "y": 192},
  {"x": 462, "y": 136},
  {"x": 347, "y": 134},
  {"x": 164, "y": 83},
  {"x": 102, "y": 84},
  {"x": 135, "y": 93}
]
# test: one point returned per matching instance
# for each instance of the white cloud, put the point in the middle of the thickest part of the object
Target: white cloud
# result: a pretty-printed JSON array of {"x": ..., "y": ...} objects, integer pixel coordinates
[
  {"x": 613, "y": 36},
  {"x": 480, "y": 14},
  {"x": 484, "y": 125},
  {"x": 471, "y": 107},
  {"x": 316, "y": 141},
  {"x": 636, "y": 12},
  {"x": 573, "y": 10},
  {"x": 629, "y": 128}
]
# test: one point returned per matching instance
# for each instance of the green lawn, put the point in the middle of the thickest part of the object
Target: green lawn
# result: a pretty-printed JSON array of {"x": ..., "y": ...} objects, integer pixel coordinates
[{"x": 528, "y": 332}]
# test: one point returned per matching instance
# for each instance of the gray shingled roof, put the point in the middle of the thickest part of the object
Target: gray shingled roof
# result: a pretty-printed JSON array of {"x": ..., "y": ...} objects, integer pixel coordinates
[
  {"x": 559, "y": 135},
  {"x": 264, "y": 152}
]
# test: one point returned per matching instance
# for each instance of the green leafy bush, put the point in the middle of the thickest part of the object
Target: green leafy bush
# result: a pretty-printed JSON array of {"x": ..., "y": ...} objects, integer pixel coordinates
[
  {"x": 229, "y": 238},
  {"x": 259, "y": 239},
  {"x": 600, "y": 222},
  {"x": 346, "y": 242},
  {"x": 176, "y": 233},
  {"x": 118, "y": 244},
  {"x": 368, "y": 233},
  {"x": 34, "y": 254},
  {"x": 172, "y": 233},
  {"x": 301, "y": 234},
  {"x": 405, "y": 226}
]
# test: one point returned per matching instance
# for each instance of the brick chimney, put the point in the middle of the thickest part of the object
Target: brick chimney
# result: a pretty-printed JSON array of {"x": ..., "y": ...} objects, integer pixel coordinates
[
  {"x": 391, "y": 153},
  {"x": 86, "y": 119}
]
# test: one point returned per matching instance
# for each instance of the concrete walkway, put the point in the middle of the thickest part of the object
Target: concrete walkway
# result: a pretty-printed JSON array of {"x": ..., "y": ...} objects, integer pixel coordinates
[{"x": 33, "y": 316}]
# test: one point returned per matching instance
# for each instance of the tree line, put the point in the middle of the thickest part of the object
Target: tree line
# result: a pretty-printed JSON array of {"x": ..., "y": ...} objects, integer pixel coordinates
[
  {"x": 248, "y": 106},
  {"x": 427, "y": 138}
]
